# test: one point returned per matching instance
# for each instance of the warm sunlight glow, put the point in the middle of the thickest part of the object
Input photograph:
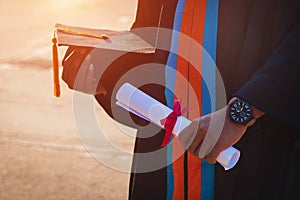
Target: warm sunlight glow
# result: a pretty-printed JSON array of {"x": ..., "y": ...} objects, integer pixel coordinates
[
  {"x": 69, "y": 2},
  {"x": 41, "y": 154}
]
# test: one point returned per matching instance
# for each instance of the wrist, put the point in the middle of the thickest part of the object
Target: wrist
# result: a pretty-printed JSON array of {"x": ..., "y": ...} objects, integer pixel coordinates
[{"x": 257, "y": 113}]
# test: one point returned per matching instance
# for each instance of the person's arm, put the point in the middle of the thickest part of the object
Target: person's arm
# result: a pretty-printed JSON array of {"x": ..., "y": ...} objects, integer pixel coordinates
[
  {"x": 231, "y": 133},
  {"x": 275, "y": 87},
  {"x": 274, "y": 90}
]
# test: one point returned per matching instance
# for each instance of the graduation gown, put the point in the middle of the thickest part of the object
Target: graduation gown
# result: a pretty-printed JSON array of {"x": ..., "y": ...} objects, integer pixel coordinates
[
  {"x": 152, "y": 184},
  {"x": 257, "y": 54}
]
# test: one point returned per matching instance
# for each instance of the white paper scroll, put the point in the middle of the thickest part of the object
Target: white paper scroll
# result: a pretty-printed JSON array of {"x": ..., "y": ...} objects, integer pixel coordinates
[{"x": 143, "y": 105}]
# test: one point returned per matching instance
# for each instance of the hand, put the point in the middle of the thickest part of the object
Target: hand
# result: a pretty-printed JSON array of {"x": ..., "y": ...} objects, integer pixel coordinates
[
  {"x": 231, "y": 132},
  {"x": 80, "y": 72}
]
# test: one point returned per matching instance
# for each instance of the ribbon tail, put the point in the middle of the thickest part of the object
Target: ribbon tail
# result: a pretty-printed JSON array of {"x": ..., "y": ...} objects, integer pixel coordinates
[{"x": 167, "y": 138}]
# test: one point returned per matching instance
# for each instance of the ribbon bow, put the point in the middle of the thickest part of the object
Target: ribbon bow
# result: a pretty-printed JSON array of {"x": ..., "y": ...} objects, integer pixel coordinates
[{"x": 170, "y": 121}]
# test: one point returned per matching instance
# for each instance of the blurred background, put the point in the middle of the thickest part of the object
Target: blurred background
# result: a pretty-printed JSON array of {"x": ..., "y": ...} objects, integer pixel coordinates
[{"x": 41, "y": 155}]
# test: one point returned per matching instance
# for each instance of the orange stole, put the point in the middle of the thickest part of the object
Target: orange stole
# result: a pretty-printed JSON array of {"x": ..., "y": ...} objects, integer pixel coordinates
[{"x": 188, "y": 89}]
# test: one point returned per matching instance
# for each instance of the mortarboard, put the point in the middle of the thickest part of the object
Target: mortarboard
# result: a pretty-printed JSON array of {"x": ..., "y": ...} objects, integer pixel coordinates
[{"x": 127, "y": 41}]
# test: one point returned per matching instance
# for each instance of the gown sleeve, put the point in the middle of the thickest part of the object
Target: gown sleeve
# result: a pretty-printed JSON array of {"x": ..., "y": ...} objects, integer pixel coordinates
[{"x": 274, "y": 88}]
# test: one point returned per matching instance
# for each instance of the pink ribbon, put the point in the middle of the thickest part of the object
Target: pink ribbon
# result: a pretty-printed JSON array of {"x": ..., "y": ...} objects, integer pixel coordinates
[{"x": 171, "y": 120}]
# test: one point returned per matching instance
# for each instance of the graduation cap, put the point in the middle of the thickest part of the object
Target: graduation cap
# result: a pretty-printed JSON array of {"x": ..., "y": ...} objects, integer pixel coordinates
[{"x": 127, "y": 41}]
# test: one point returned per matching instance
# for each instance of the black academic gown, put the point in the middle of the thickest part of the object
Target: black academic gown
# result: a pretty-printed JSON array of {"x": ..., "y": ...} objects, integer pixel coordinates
[
  {"x": 258, "y": 53},
  {"x": 153, "y": 184},
  {"x": 258, "y": 56}
]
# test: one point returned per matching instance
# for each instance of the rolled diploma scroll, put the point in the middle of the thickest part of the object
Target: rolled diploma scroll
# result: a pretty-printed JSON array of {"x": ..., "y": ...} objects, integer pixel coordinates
[{"x": 143, "y": 105}]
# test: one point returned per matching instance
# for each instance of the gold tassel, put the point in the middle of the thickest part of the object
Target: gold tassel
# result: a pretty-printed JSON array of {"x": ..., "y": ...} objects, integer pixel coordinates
[
  {"x": 55, "y": 67},
  {"x": 55, "y": 64}
]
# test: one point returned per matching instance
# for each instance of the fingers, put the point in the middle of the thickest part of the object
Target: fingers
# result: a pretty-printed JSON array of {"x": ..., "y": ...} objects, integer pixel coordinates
[
  {"x": 187, "y": 136},
  {"x": 196, "y": 144},
  {"x": 70, "y": 67},
  {"x": 212, "y": 156},
  {"x": 90, "y": 77},
  {"x": 191, "y": 137},
  {"x": 76, "y": 67},
  {"x": 90, "y": 80}
]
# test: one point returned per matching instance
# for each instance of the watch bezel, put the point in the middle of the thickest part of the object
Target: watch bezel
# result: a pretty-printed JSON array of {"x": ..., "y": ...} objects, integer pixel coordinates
[{"x": 246, "y": 103}]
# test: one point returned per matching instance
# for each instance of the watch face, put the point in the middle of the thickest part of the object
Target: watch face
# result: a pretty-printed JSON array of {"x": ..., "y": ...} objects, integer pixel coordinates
[{"x": 240, "y": 111}]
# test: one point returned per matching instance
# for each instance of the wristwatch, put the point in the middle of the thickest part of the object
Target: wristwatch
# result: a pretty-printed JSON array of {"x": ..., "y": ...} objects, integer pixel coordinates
[{"x": 240, "y": 111}]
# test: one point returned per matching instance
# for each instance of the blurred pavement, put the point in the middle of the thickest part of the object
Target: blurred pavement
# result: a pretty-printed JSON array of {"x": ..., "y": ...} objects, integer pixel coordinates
[{"x": 41, "y": 155}]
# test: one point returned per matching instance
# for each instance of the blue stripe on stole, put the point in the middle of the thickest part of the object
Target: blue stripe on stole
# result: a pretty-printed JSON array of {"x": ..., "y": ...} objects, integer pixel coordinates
[
  {"x": 170, "y": 77},
  {"x": 209, "y": 87},
  {"x": 170, "y": 74}
]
